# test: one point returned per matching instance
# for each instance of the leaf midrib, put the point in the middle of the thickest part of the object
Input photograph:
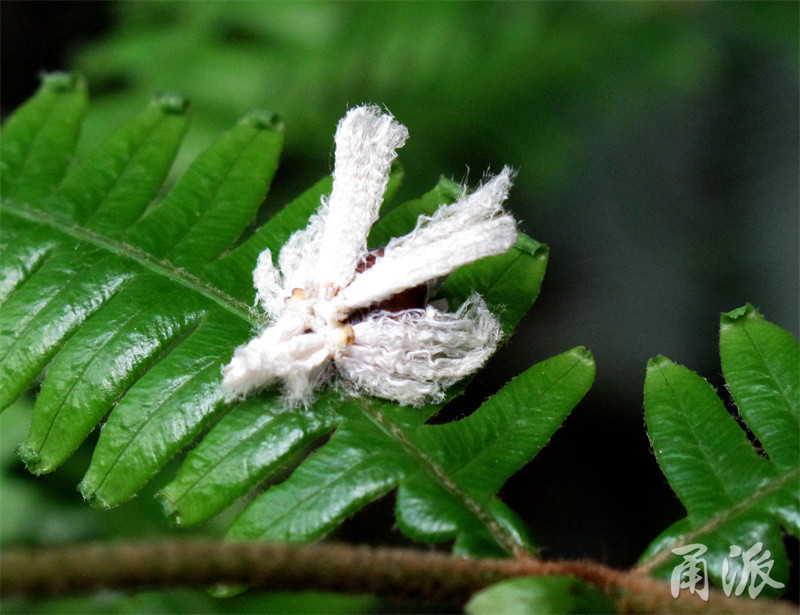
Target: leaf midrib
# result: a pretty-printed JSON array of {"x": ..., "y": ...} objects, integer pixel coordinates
[
  {"x": 147, "y": 422},
  {"x": 365, "y": 463},
  {"x": 20, "y": 172},
  {"x": 41, "y": 259},
  {"x": 130, "y": 252},
  {"x": 220, "y": 183},
  {"x": 256, "y": 431},
  {"x": 521, "y": 252},
  {"x": 97, "y": 354},
  {"x": 22, "y": 330},
  {"x": 463, "y": 468},
  {"x": 686, "y": 416},
  {"x": 144, "y": 139},
  {"x": 498, "y": 533},
  {"x": 783, "y": 395},
  {"x": 714, "y": 522}
]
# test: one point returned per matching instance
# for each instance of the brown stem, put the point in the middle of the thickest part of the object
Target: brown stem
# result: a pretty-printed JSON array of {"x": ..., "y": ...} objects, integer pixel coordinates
[{"x": 424, "y": 575}]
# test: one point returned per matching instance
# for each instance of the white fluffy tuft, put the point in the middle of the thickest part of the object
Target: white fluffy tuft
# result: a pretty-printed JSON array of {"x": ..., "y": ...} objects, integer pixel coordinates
[
  {"x": 268, "y": 283},
  {"x": 414, "y": 356},
  {"x": 366, "y": 144},
  {"x": 471, "y": 228},
  {"x": 299, "y": 255}
]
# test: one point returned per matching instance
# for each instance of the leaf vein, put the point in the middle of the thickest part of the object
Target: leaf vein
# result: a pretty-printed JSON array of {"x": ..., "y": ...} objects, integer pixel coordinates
[
  {"x": 130, "y": 252},
  {"x": 503, "y": 538},
  {"x": 714, "y": 522},
  {"x": 147, "y": 421},
  {"x": 783, "y": 394}
]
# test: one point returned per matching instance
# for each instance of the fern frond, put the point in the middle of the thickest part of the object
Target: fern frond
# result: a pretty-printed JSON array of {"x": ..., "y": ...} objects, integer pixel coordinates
[
  {"x": 732, "y": 494},
  {"x": 446, "y": 475},
  {"x": 131, "y": 304}
]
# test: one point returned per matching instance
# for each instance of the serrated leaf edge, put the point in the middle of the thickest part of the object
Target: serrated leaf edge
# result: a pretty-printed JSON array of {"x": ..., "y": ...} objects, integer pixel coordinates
[
  {"x": 769, "y": 487},
  {"x": 497, "y": 532}
]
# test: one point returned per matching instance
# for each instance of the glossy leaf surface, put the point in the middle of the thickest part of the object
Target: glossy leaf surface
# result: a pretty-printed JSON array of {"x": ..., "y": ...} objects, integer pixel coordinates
[
  {"x": 132, "y": 303},
  {"x": 39, "y": 138},
  {"x": 761, "y": 363},
  {"x": 447, "y": 475},
  {"x": 733, "y": 495}
]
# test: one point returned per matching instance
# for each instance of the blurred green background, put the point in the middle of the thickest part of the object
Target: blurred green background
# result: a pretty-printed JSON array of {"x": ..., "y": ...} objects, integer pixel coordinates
[{"x": 657, "y": 151}]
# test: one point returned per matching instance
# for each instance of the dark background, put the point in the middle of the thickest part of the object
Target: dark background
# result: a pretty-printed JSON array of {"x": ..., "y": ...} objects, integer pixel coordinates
[{"x": 657, "y": 150}]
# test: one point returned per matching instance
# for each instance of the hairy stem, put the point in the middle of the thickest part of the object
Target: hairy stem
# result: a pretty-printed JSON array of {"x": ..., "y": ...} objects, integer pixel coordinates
[{"x": 424, "y": 575}]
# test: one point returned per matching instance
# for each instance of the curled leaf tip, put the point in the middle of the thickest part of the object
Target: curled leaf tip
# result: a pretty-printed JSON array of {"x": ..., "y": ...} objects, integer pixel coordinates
[
  {"x": 60, "y": 81},
  {"x": 173, "y": 104},
  {"x": 658, "y": 361},
  {"x": 584, "y": 354},
  {"x": 531, "y": 246},
  {"x": 264, "y": 120},
  {"x": 747, "y": 311},
  {"x": 89, "y": 494},
  {"x": 30, "y": 458}
]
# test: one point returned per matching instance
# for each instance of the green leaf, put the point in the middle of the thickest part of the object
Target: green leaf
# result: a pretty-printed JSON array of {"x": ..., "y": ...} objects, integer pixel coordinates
[
  {"x": 206, "y": 468},
  {"x": 234, "y": 271},
  {"x": 47, "y": 309},
  {"x": 135, "y": 308},
  {"x": 112, "y": 187},
  {"x": 133, "y": 305},
  {"x": 103, "y": 359},
  {"x": 402, "y": 219},
  {"x": 329, "y": 486},
  {"x": 530, "y": 595},
  {"x": 761, "y": 363},
  {"x": 256, "y": 441},
  {"x": 733, "y": 496},
  {"x": 702, "y": 451},
  {"x": 447, "y": 474},
  {"x": 161, "y": 413},
  {"x": 507, "y": 281},
  {"x": 22, "y": 251},
  {"x": 217, "y": 196},
  {"x": 39, "y": 138},
  {"x": 481, "y": 544}
]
